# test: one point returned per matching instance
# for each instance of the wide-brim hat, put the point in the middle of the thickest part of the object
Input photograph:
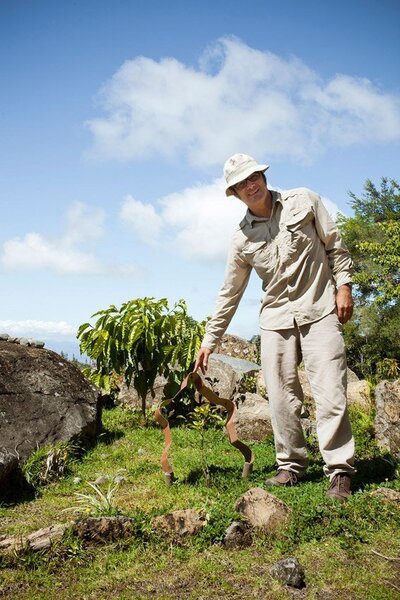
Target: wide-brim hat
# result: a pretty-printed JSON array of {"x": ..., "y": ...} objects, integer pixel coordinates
[{"x": 239, "y": 167}]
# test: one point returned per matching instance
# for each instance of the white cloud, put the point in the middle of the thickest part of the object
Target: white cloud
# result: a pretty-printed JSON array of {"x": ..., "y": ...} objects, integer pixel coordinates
[
  {"x": 64, "y": 254},
  {"x": 32, "y": 328},
  {"x": 142, "y": 218},
  {"x": 238, "y": 99},
  {"x": 196, "y": 223}
]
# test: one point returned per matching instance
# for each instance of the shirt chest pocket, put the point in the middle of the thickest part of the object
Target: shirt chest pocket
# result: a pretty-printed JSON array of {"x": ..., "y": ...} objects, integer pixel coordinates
[
  {"x": 263, "y": 256},
  {"x": 300, "y": 227}
]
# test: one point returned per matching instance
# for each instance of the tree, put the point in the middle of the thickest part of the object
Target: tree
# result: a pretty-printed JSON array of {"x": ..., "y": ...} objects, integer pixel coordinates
[
  {"x": 140, "y": 340},
  {"x": 373, "y": 238}
]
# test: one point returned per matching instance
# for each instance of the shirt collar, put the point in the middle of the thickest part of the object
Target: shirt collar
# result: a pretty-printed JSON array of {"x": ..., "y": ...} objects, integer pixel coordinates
[{"x": 250, "y": 218}]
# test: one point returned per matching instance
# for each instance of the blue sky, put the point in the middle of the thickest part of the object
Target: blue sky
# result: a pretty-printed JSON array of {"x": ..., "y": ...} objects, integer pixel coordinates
[{"x": 116, "y": 118}]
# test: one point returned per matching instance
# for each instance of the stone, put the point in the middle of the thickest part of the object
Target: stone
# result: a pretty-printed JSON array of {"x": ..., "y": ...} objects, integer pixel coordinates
[
  {"x": 119, "y": 479},
  {"x": 387, "y": 494},
  {"x": 358, "y": 392},
  {"x": 252, "y": 419},
  {"x": 263, "y": 510},
  {"x": 289, "y": 572},
  {"x": 387, "y": 419},
  {"x": 104, "y": 529},
  {"x": 237, "y": 535},
  {"x": 261, "y": 389},
  {"x": 129, "y": 396},
  {"x": 44, "y": 399},
  {"x": 8, "y": 463},
  {"x": 225, "y": 375},
  {"x": 180, "y": 523},
  {"x": 38, "y": 540},
  {"x": 100, "y": 480},
  {"x": 4, "y": 336},
  {"x": 232, "y": 345}
]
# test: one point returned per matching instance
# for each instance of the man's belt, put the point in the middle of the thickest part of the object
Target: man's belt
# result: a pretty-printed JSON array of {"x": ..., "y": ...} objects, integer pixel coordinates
[{"x": 212, "y": 397}]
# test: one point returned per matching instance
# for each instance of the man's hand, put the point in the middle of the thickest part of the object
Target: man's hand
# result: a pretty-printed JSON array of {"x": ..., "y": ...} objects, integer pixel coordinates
[
  {"x": 202, "y": 359},
  {"x": 344, "y": 303}
]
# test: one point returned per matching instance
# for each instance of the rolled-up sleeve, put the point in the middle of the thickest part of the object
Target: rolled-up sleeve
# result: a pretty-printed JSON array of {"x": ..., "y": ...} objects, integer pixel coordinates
[
  {"x": 236, "y": 278},
  {"x": 339, "y": 257}
]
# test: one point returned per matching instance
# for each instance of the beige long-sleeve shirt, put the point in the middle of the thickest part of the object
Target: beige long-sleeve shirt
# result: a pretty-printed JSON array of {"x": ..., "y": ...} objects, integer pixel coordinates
[{"x": 300, "y": 257}]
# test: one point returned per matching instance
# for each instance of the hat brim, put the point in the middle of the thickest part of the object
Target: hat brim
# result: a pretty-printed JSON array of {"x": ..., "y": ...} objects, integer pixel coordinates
[{"x": 243, "y": 175}]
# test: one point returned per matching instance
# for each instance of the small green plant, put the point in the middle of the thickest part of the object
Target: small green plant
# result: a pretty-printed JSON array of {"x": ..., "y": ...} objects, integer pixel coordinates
[
  {"x": 99, "y": 504},
  {"x": 49, "y": 463},
  {"x": 205, "y": 416},
  {"x": 249, "y": 383},
  {"x": 142, "y": 339}
]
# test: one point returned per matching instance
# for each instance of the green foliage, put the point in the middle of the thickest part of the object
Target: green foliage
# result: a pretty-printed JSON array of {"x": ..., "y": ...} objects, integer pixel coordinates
[
  {"x": 205, "y": 416},
  {"x": 49, "y": 463},
  {"x": 334, "y": 543},
  {"x": 373, "y": 238},
  {"x": 142, "y": 339},
  {"x": 99, "y": 504}
]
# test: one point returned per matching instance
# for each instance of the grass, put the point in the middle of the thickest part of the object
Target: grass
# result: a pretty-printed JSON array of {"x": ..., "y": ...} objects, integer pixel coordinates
[{"x": 336, "y": 544}]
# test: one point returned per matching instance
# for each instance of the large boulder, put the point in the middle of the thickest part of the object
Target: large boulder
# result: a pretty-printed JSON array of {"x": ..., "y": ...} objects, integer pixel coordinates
[
  {"x": 227, "y": 375},
  {"x": 252, "y": 419},
  {"x": 130, "y": 397},
  {"x": 387, "y": 430},
  {"x": 231, "y": 345},
  {"x": 43, "y": 399}
]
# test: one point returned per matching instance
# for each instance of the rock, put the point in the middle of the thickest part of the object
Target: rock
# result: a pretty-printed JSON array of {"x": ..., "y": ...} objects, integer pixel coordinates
[
  {"x": 225, "y": 374},
  {"x": 289, "y": 572},
  {"x": 238, "y": 535},
  {"x": 119, "y": 479},
  {"x": 4, "y": 336},
  {"x": 358, "y": 392},
  {"x": 231, "y": 345},
  {"x": 387, "y": 430},
  {"x": 23, "y": 341},
  {"x": 387, "y": 494},
  {"x": 8, "y": 463},
  {"x": 101, "y": 479},
  {"x": 38, "y": 540},
  {"x": 263, "y": 510},
  {"x": 253, "y": 419},
  {"x": 261, "y": 389},
  {"x": 104, "y": 529},
  {"x": 180, "y": 523},
  {"x": 43, "y": 399},
  {"x": 129, "y": 396}
]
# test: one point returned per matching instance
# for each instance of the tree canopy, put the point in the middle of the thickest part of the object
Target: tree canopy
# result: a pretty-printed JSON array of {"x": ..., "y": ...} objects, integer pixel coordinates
[{"x": 372, "y": 235}]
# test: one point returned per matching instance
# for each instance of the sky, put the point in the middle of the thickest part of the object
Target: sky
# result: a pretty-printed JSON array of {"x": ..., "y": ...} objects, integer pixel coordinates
[{"x": 116, "y": 119}]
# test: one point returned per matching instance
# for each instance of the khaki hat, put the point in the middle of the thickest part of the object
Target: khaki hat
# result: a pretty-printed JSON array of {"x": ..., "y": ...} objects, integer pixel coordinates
[{"x": 239, "y": 167}]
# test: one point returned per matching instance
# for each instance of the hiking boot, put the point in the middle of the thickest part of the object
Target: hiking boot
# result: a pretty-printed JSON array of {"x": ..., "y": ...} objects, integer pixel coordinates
[
  {"x": 339, "y": 487},
  {"x": 283, "y": 477}
]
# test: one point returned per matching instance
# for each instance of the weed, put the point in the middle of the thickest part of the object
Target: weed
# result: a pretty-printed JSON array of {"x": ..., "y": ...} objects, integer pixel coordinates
[{"x": 99, "y": 504}]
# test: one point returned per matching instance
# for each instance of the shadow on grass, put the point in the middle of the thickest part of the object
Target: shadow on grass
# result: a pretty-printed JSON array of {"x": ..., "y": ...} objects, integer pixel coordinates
[
  {"x": 374, "y": 470},
  {"x": 221, "y": 475},
  {"x": 16, "y": 489}
]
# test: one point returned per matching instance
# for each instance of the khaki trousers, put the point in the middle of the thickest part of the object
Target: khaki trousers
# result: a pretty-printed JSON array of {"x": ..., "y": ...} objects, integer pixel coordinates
[{"x": 320, "y": 345}]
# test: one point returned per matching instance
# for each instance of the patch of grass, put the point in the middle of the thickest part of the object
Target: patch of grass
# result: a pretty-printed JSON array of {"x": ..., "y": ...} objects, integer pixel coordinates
[{"x": 333, "y": 542}]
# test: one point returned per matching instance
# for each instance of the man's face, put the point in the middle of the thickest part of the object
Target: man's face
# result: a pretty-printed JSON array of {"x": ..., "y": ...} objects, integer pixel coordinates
[{"x": 253, "y": 190}]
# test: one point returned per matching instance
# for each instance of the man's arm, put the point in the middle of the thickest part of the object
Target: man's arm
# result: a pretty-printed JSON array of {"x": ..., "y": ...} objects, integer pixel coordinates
[
  {"x": 339, "y": 259},
  {"x": 237, "y": 275}
]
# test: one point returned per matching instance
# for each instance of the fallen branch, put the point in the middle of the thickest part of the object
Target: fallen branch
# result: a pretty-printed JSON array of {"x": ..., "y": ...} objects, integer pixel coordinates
[{"x": 385, "y": 557}]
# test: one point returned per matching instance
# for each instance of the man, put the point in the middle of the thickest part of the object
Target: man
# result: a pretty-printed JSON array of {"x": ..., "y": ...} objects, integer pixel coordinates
[{"x": 295, "y": 248}]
